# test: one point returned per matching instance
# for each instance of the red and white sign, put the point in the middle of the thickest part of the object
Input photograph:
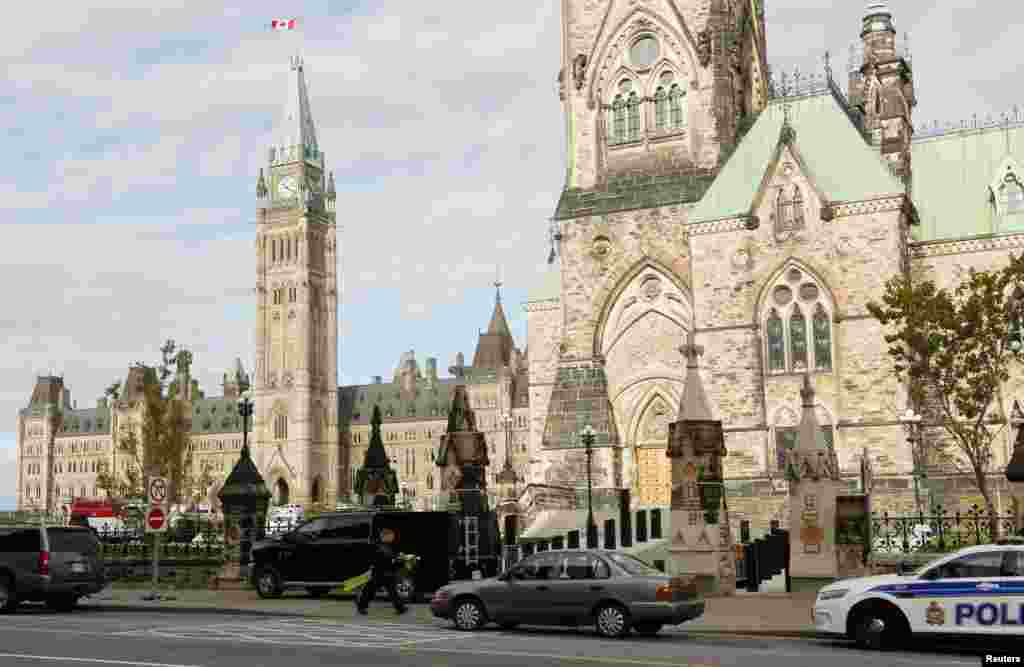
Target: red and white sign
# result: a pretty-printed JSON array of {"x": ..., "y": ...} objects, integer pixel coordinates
[
  {"x": 283, "y": 24},
  {"x": 156, "y": 521}
]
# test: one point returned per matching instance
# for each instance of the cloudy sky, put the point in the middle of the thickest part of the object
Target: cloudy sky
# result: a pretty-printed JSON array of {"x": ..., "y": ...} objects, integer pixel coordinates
[{"x": 133, "y": 137}]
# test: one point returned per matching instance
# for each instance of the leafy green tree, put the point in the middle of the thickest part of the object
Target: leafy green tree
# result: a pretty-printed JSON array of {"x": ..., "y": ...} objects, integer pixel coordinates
[
  {"x": 163, "y": 439},
  {"x": 955, "y": 350}
]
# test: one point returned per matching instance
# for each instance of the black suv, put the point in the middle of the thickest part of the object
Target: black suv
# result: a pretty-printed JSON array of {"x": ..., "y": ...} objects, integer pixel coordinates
[
  {"x": 57, "y": 565},
  {"x": 323, "y": 552}
]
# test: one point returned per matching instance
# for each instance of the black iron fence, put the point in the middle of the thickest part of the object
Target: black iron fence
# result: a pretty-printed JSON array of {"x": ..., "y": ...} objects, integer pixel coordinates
[{"x": 938, "y": 532}]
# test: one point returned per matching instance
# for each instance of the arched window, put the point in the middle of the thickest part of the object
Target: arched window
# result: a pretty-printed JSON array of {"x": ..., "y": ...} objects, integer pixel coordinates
[
  {"x": 634, "y": 117},
  {"x": 776, "y": 343},
  {"x": 618, "y": 120},
  {"x": 281, "y": 427},
  {"x": 798, "y": 207},
  {"x": 822, "y": 340},
  {"x": 661, "y": 109},
  {"x": 796, "y": 342},
  {"x": 677, "y": 100},
  {"x": 798, "y": 339}
]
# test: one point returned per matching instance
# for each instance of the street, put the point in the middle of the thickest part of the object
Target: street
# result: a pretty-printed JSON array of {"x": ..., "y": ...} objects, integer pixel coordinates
[{"x": 35, "y": 636}]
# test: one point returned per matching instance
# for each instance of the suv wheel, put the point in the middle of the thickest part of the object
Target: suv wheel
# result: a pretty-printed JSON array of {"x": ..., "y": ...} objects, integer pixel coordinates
[
  {"x": 268, "y": 583},
  {"x": 65, "y": 602},
  {"x": 8, "y": 596}
]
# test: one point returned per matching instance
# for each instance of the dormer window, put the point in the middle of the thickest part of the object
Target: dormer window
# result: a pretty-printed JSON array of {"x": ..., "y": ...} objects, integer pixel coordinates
[{"x": 1012, "y": 195}]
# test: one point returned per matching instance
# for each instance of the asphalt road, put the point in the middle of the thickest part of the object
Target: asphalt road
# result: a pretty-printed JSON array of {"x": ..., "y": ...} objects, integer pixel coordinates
[{"x": 122, "y": 638}]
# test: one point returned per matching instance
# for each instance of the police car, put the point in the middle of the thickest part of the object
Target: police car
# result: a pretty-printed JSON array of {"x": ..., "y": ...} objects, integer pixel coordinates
[{"x": 976, "y": 591}]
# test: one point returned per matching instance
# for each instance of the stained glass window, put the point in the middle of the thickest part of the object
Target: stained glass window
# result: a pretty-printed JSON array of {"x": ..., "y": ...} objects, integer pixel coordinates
[
  {"x": 784, "y": 208},
  {"x": 776, "y": 343},
  {"x": 661, "y": 109},
  {"x": 822, "y": 340},
  {"x": 798, "y": 339},
  {"x": 676, "y": 98},
  {"x": 785, "y": 440},
  {"x": 634, "y": 117},
  {"x": 618, "y": 120}
]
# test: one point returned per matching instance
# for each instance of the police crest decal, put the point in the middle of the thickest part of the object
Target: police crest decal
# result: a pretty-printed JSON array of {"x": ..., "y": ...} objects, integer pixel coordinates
[{"x": 936, "y": 615}]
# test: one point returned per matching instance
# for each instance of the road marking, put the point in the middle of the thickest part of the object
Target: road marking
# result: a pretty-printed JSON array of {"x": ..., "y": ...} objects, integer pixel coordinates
[{"x": 26, "y": 656}]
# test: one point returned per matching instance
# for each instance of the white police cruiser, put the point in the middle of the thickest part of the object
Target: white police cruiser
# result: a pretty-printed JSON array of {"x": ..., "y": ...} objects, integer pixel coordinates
[{"x": 976, "y": 591}]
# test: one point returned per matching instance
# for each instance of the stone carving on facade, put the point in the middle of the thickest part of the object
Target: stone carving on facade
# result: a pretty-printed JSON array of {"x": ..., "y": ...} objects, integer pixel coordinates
[
  {"x": 846, "y": 246},
  {"x": 561, "y": 84},
  {"x": 272, "y": 379},
  {"x": 742, "y": 259},
  {"x": 658, "y": 418},
  {"x": 579, "y": 70},
  {"x": 651, "y": 288},
  {"x": 704, "y": 47},
  {"x": 287, "y": 380},
  {"x": 602, "y": 248}
]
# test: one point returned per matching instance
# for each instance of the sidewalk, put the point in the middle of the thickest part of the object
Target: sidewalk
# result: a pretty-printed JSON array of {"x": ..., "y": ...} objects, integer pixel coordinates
[{"x": 754, "y": 614}]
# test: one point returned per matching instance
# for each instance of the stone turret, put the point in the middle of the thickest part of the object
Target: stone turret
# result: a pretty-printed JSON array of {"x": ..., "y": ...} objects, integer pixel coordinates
[
  {"x": 814, "y": 486},
  {"x": 463, "y": 458},
  {"x": 702, "y": 544}
]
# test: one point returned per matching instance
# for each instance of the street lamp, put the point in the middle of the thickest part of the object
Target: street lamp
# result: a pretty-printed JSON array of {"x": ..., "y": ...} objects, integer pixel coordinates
[
  {"x": 508, "y": 477},
  {"x": 912, "y": 422},
  {"x": 588, "y": 442},
  {"x": 245, "y": 411}
]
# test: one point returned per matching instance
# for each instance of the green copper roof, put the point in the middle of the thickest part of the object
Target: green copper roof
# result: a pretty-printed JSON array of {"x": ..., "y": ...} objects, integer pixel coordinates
[
  {"x": 86, "y": 420},
  {"x": 430, "y": 403},
  {"x": 841, "y": 163},
  {"x": 549, "y": 284},
  {"x": 952, "y": 173},
  {"x": 216, "y": 415},
  {"x": 625, "y": 193}
]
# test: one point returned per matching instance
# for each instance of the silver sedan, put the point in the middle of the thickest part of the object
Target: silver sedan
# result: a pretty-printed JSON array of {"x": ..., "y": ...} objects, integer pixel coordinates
[{"x": 614, "y": 591}]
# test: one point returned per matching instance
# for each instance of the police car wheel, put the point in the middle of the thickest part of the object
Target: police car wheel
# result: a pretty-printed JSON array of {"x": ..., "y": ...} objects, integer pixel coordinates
[{"x": 879, "y": 630}]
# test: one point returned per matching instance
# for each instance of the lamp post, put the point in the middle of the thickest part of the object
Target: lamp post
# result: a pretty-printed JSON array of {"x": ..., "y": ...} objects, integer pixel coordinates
[
  {"x": 245, "y": 412},
  {"x": 588, "y": 442},
  {"x": 912, "y": 422},
  {"x": 508, "y": 478}
]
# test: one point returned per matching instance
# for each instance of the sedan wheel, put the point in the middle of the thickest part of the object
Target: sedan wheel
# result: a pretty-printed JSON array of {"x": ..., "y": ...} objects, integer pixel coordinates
[
  {"x": 268, "y": 584},
  {"x": 612, "y": 621},
  {"x": 469, "y": 615},
  {"x": 878, "y": 631}
]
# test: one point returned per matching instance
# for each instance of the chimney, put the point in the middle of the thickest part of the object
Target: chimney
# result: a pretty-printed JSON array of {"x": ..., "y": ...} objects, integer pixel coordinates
[
  {"x": 378, "y": 379},
  {"x": 67, "y": 398}
]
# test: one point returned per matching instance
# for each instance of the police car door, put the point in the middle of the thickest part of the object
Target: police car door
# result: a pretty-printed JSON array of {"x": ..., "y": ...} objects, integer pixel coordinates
[{"x": 964, "y": 595}]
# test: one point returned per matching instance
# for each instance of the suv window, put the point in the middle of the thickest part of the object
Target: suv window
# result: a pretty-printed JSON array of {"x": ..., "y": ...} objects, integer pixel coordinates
[
  {"x": 313, "y": 528},
  {"x": 347, "y": 528},
  {"x": 69, "y": 539},
  {"x": 21, "y": 540}
]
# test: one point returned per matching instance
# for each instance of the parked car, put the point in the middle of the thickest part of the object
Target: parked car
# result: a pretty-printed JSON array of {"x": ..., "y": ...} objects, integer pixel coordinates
[
  {"x": 324, "y": 552},
  {"x": 975, "y": 592},
  {"x": 614, "y": 591},
  {"x": 56, "y": 565}
]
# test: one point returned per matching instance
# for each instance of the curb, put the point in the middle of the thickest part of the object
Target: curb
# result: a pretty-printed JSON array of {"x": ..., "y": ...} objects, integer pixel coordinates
[{"x": 269, "y": 613}]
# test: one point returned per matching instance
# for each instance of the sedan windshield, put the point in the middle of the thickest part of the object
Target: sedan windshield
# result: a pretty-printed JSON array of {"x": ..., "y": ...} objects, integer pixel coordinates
[{"x": 634, "y": 565}]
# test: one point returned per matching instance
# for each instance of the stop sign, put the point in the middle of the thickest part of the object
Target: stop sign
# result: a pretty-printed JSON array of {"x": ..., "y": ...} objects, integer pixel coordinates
[{"x": 155, "y": 519}]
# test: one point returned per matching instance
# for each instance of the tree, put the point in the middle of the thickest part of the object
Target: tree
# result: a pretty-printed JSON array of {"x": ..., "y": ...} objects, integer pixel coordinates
[
  {"x": 163, "y": 439},
  {"x": 955, "y": 350}
]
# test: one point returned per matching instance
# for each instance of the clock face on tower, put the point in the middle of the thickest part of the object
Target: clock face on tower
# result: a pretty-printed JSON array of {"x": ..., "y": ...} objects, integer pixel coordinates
[{"x": 287, "y": 187}]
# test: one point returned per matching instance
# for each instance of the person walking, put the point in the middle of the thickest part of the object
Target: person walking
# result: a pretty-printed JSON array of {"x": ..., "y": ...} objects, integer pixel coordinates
[{"x": 383, "y": 574}]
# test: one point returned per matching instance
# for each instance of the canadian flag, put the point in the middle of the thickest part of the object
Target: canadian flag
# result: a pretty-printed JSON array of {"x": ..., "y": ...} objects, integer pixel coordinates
[{"x": 283, "y": 24}]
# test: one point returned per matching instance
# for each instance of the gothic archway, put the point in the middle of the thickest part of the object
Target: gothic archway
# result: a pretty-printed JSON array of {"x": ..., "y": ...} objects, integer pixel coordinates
[
  {"x": 281, "y": 493},
  {"x": 652, "y": 479}
]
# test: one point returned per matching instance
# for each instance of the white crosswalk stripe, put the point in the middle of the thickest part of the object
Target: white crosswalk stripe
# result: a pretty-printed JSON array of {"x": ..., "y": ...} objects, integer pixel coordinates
[{"x": 303, "y": 633}]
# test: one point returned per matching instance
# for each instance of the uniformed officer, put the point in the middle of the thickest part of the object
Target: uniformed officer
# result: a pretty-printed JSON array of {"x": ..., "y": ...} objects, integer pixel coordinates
[{"x": 383, "y": 574}]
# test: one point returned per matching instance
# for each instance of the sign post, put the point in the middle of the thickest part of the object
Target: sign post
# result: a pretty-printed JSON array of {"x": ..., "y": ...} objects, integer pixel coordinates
[{"x": 156, "y": 523}]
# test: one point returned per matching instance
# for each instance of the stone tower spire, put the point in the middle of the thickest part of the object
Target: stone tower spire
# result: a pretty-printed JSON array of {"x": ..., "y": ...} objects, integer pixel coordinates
[
  {"x": 295, "y": 380},
  {"x": 296, "y": 127},
  {"x": 884, "y": 89},
  {"x": 694, "y": 406}
]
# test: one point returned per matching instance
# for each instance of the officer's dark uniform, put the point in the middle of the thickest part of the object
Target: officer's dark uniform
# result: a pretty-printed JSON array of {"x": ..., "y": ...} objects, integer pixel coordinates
[{"x": 382, "y": 576}]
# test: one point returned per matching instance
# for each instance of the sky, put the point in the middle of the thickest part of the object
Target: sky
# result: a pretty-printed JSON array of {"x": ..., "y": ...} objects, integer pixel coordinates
[{"x": 134, "y": 133}]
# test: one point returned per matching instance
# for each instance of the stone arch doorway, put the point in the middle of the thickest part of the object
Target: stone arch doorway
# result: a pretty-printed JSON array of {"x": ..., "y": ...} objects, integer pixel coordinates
[
  {"x": 652, "y": 478},
  {"x": 281, "y": 492}
]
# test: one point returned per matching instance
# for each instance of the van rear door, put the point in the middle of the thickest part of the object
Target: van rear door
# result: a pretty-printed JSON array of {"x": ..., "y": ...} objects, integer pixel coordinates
[{"x": 74, "y": 556}]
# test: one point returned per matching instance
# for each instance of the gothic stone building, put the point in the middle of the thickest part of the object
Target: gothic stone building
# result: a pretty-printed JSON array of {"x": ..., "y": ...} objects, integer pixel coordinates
[
  {"x": 764, "y": 216},
  {"x": 61, "y": 448}
]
